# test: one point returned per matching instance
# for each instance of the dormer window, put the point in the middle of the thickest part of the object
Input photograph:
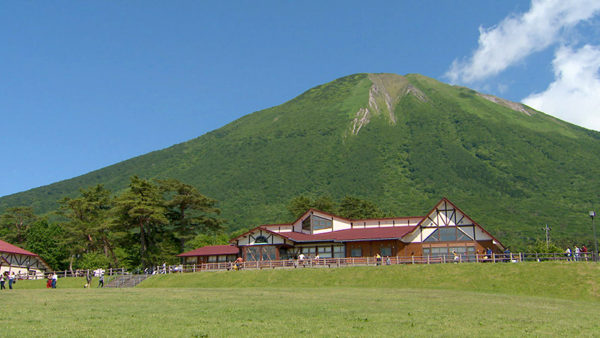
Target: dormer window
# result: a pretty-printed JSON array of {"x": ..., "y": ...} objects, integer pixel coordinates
[
  {"x": 261, "y": 240},
  {"x": 313, "y": 223},
  {"x": 319, "y": 223},
  {"x": 306, "y": 224}
]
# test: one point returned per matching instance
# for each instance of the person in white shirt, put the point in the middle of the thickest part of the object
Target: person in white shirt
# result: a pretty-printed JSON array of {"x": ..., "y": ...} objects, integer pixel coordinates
[{"x": 300, "y": 258}]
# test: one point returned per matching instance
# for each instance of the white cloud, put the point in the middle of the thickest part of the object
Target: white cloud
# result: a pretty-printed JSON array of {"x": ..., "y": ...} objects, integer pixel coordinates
[
  {"x": 518, "y": 36},
  {"x": 574, "y": 95}
]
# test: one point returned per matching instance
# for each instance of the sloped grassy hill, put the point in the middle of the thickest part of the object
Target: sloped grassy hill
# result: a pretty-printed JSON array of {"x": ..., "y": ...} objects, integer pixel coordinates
[{"x": 402, "y": 142}]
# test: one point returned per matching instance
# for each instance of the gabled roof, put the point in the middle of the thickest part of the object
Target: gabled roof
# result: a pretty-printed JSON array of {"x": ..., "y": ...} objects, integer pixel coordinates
[
  {"x": 444, "y": 199},
  {"x": 9, "y": 248},
  {"x": 13, "y": 249},
  {"x": 361, "y": 234},
  {"x": 348, "y": 220},
  {"x": 212, "y": 250}
]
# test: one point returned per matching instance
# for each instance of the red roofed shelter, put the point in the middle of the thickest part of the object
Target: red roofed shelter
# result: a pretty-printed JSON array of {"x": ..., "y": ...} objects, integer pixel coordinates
[
  {"x": 211, "y": 254},
  {"x": 21, "y": 262}
]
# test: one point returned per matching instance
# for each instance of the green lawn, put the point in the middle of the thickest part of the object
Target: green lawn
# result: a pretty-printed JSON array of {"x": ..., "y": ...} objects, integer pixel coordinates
[{"x": 538, "y": 299}]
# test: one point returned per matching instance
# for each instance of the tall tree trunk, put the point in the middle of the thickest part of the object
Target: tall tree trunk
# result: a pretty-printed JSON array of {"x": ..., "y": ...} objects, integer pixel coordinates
[
  {"x": 71, "y": 264},
  {"x": 108, "y": 251},
  {"x": 142, "y": 244},
  {"x": 182, "y": 239}
]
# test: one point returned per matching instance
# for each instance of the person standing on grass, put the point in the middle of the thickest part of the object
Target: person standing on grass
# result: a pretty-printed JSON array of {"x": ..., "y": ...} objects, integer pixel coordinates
[
  {"x": 456, "y": 257},
  {"x": 577, "y": 252},
  {"x": 54, "y": 279},
  {"x": 11, "y": 280},
  {"x": 2, "y": 280},
  {"x": 101, "y": 281},
  {"x": 568, "y": 254},
  {"x": 378, "y": 259},
  {"x": 238, "y": 263},
  {"x": 88, "y": 279}
]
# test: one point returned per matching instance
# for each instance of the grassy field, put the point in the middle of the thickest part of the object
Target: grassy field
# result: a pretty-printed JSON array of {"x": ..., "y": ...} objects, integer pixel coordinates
[{"x": 531, "y": 299}]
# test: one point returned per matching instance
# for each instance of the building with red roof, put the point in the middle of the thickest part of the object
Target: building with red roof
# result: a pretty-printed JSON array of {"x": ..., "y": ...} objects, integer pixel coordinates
[
  {"x": 443, "y": 230},
  {"x": 211, "y": 254},
  {"x": 20, "y": 261}
]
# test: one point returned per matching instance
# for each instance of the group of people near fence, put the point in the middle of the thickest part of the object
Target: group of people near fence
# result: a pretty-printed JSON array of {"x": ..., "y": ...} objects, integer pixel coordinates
[
  {"x": 51, "y": 282},
  {"x": 7, "y": 277},
  {"x": 577, "y": 253},
  {"x": 89, "y": 277}
]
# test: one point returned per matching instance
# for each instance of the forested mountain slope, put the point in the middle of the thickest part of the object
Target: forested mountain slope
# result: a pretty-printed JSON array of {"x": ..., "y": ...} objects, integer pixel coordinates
[{"x": 402, "y": 142}]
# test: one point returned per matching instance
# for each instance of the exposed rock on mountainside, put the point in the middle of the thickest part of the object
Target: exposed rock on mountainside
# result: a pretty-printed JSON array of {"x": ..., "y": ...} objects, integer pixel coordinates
[
  {"x": 385, "y": 92},
  {"x": 508, "y": 104}
]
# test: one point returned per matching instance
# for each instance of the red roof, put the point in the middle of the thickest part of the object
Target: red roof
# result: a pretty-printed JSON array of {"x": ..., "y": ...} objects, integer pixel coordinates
[
  {"x": 9, "y": 248},
  {"x": 350, "y": 234},
  {"x": 212, "y": 250}
]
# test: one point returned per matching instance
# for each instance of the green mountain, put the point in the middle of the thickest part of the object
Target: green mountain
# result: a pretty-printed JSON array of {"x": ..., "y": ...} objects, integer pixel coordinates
[{"x": 402, "y": 142}]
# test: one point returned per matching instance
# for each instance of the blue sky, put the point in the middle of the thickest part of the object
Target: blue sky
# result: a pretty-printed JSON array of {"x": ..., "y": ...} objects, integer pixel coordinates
[{"x": 86, "y": 84}]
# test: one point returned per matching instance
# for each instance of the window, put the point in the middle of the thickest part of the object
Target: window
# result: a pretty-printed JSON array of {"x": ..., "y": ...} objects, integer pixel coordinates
[
  {"x": 385, "y": 251},
  {"x": 324, "y": 251},
  {"x": 447, "y": 251},
  {"x": 461, "y": 236},
  {"x": 268, "y": 253},
  {"x": 448, "y": 234},
  {"x": 321, "y": 223},
  {"x": 261, "y": 240},
  {"x": 356, "y": 252},
  {"x": 261, "y": 253},
  {"x": 283, "y": 253},
  {"x": 212, "y": 259},
  {"x": 307, "y": 250},
  {"x": 339, "y": 252},
  {"x": 306, "y": 224},
  {"x": 313, "y": 223}
]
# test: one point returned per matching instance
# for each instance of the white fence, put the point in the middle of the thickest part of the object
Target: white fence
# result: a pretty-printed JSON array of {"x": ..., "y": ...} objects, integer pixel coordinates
[{"x": 341, "y": 262}]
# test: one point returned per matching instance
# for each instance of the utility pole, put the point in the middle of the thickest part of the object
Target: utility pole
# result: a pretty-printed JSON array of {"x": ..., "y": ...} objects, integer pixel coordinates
[
  {"x": 592, "y": 215},
  {"x": 547, "y": 229}
]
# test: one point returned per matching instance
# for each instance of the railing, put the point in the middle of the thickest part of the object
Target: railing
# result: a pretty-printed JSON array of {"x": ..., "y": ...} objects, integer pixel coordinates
[
  {"x": 341, "y": 262},
  {"x": 83, "y": 273},
  {"x": 126, "y": 281},
  {"x": 372, "y": 261}
]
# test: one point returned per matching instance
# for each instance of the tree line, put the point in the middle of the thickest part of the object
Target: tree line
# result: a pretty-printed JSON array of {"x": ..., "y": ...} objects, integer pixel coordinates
[{"x": 147, "y": 224}]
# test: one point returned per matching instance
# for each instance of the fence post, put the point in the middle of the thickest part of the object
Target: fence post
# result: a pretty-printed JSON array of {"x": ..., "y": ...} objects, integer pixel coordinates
[{"x": 427, "y": 259}]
